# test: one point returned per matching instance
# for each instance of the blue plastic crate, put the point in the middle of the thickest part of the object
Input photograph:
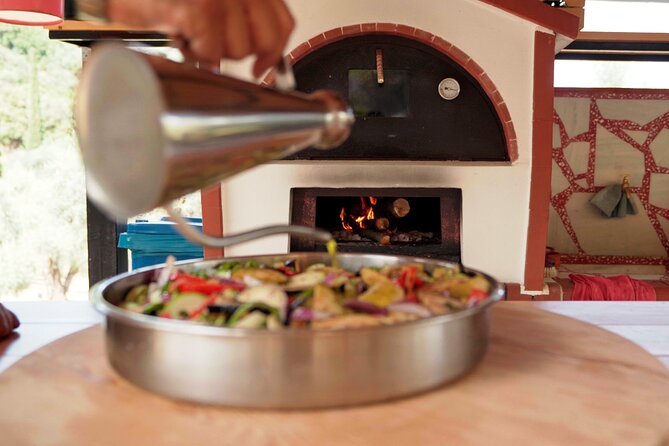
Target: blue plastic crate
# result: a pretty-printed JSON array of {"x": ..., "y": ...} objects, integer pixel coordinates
[{"x": 151, "y": 242}]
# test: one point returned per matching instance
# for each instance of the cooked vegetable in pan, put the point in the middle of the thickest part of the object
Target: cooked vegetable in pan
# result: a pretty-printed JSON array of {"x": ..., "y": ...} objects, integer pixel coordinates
[{"x": 278, "y": 296}]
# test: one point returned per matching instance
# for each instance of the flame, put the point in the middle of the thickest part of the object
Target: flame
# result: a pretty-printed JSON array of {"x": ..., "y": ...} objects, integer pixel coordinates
[
  {"x": 360, "y": 220},
  {"x": 342, "y": 216}
]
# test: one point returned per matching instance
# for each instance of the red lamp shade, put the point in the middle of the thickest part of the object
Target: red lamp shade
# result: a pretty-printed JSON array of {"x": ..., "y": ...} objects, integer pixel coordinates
[{"x": 31, "y": 12}]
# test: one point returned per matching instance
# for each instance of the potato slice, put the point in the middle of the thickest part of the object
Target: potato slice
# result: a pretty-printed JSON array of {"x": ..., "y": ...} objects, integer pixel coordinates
[
  {"x": 382, "y": 294},
  {"x": 372, "y": 277},
  {"x": 395, "y": 317},
  {"x": 326, "y": 300},
  {"x": 346, "y": 321}
]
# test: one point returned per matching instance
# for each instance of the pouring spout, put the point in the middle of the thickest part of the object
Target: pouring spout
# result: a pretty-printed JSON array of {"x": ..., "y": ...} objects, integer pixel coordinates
[{"x": 243, "y": 237}]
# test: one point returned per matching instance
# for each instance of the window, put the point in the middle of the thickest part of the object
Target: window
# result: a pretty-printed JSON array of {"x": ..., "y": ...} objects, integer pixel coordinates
[
  {"x": 626, "y": 16},
  {"x": 42, "y": 194},
  {"x": 616, "y": 50},
  {"x": 611, "y": 74}
]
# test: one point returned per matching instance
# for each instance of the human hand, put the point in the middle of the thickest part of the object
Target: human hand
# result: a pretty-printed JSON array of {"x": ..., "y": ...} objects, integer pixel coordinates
[
  {"x": 8, "y": 322},
  {"x": 215, "y": 29}
]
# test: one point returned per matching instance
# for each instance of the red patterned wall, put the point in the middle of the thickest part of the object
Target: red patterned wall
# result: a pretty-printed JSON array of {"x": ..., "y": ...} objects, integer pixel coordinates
[{"x": 636, "y": 129}]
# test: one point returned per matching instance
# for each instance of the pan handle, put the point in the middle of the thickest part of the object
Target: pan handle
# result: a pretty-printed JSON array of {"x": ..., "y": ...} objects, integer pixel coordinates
[{"x": 199, "y": 238}]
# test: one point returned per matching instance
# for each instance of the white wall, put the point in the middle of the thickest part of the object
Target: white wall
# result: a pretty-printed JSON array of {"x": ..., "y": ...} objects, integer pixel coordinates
[{"x": 495, "y": 197}]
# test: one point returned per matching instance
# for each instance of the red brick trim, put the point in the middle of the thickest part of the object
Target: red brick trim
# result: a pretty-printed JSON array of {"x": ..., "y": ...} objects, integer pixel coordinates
[
  {"x": 612, "y": 93},
  {"x": 612, "y": 260},
  {"x": 426, "y": 38},
  {"x": 542, "y": 136},
  {"x": 513, "y": 293},
  {"x": 212, "y": 218}
]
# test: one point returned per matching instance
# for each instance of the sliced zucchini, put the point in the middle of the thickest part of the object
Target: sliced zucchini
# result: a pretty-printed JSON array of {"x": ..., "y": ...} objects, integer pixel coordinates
[
  {"x": 153, "y": 309},
  {"x": 137, "y": 294},
  {"x": 183, "y": 305},
  {"x": 254, "y": 319},
  {"x": 270, "y": 295}
]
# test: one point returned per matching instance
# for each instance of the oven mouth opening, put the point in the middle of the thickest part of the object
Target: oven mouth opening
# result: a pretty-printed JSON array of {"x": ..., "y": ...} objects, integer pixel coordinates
[
  {"x": 384, "y": 220},
  {"x": 396, "y": 221}
]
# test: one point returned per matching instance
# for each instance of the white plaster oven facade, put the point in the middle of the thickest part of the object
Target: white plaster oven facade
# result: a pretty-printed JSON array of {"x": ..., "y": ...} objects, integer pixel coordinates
[{"x": 495, "y": 196}]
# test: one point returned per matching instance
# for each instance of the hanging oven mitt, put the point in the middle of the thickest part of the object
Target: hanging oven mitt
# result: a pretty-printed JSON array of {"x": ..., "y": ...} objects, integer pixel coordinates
[
  {"x": 625, "y": 207},
  {"x": 608, "y": 199},
  {"x": 8, "y": 321}
]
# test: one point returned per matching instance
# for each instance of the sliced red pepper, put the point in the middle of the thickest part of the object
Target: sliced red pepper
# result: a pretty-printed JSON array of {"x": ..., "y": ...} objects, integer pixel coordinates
[
  {"x": 478, "y": 294},
  {"x": 287, "y": 271},
  {"x": 408, "y": 278},
  {"x": 203, "y": 288},
  {"x": 199, "y": 310},
  {"x": 188, "y": 283}
]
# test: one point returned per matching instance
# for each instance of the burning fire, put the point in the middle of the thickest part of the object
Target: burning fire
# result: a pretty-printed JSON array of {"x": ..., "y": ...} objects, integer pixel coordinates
[{"x": 360, "y": 218}]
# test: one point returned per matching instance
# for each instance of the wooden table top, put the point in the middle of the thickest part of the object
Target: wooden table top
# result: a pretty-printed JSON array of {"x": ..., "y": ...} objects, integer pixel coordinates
[
  {"x": 545, "y": 377},
  {"x": 644, "y": 323}
]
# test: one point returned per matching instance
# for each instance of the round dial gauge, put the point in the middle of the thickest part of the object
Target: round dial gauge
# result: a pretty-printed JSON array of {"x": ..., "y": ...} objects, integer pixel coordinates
[{"x": 449, "y": 88}]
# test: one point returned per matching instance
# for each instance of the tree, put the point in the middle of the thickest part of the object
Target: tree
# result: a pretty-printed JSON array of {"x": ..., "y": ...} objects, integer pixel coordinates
[
  {"x": 42, "y": 190},
  {"x": 34, "y": 136}
]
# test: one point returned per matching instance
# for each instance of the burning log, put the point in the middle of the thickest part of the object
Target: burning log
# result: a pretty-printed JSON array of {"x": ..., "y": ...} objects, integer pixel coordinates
[
  {"x": 382, "y": 223},
  {"x": 379, "y": 237},
  {"x": 400, "y": 208}
]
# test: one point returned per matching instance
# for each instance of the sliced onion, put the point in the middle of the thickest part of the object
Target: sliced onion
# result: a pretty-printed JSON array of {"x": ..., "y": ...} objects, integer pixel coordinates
[
  {"x": 252, "y": 281},
  {"x": 360, "y": 288},
  {"x": 412, "y": 308},
  {"x": 329, "y": 278},
  {"x": 307, "y": 314},
  {"x": 364, "y": 307}
]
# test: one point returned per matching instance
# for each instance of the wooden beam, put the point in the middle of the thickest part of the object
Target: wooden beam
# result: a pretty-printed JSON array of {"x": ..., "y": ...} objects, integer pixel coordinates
[
  {"x": 588, "y": 36},
  {"x": 540, "y": 180},
  {"x": 212, "y": 218}
]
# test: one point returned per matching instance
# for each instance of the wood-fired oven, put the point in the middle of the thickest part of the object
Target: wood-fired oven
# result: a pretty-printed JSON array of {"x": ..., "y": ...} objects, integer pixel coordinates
[{"x": 451, "y": 98}]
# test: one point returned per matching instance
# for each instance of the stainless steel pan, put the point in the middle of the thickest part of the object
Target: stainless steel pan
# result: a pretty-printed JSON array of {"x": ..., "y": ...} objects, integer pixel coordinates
[{"x": 290, "y": 369}]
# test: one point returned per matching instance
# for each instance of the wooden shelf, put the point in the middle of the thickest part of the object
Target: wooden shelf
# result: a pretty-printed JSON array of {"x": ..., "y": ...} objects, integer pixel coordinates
[
  {"x": 589, "y": 36},
  {"x": 77, "y": 25}
]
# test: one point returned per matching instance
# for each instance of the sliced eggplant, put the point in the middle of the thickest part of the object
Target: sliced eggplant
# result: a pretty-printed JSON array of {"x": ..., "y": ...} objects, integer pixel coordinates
[
  {"x": 270, "y": 295},
  {"x": 225, "y": 309},
  {"x": 264, "y": 275},
  {"x": 305, "y": 280}
]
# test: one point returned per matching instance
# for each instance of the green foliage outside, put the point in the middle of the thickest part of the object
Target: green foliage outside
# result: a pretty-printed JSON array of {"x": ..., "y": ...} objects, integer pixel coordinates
[{"x": 42, "y": 192}]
